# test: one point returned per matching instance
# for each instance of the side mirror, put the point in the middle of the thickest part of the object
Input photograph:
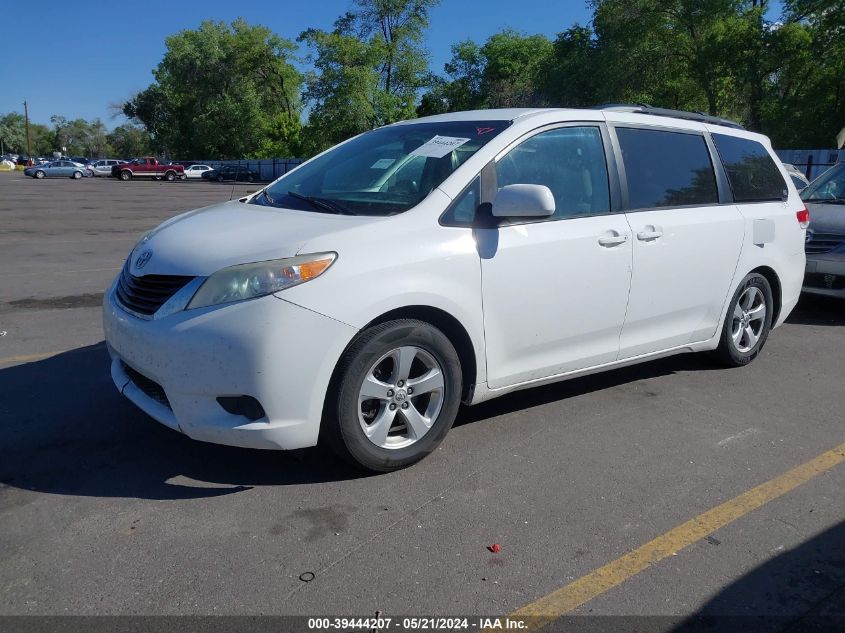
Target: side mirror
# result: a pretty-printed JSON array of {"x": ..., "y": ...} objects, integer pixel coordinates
[{"x": 524, "y": 201}]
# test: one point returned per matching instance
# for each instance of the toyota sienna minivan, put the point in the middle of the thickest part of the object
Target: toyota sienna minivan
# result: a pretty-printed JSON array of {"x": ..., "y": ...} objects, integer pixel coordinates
[{"x": 360, "y": 298}]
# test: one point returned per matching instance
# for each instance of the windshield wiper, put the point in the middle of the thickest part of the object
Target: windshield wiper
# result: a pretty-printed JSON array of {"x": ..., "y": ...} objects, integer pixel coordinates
[{"x": 323, "y": 203}]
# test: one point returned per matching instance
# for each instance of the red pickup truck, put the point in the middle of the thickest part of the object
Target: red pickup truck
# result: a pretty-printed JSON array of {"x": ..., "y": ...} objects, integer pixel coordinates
[{"x": 147, "y": 167}]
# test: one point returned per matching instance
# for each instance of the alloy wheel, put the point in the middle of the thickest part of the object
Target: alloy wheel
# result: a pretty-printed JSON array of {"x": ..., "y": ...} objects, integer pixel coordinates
[
  {"x": 401, "y": 397},
  {"x": 749, "y": 319}
]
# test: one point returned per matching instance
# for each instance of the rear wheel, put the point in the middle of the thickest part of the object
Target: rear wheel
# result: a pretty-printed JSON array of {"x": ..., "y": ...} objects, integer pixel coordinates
[
  {"x": 747, "y": 323},
  {"x": 170, "y": 176},
  {"x": 126, "y": 175},
  {"x": 220, "y": 178},
  {"x": 77, "y": 175},
  {"x": 397, "y": 394}
]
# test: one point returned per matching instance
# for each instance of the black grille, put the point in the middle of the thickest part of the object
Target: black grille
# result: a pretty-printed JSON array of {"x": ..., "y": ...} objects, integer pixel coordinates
[
  {"x": 147, "y": 294},
  {"x": 824, "y": 280},
  {"x": 150, "y": 387},
  {"x": 824, "y": 242}
]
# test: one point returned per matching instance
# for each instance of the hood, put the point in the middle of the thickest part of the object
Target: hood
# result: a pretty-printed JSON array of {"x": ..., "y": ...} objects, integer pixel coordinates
[
  {"x": 201, "y": 242},
  {"x": 826, "y": 218}
]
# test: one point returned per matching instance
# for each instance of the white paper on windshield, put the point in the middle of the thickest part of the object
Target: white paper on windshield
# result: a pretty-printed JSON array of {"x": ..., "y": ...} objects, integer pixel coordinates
[
  {"x": 383, "y": 163},
  {"x": 439, "y": 146}
]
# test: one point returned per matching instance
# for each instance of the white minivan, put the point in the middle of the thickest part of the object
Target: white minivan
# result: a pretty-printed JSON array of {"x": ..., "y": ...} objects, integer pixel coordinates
[{"x": 360, "y": 298}]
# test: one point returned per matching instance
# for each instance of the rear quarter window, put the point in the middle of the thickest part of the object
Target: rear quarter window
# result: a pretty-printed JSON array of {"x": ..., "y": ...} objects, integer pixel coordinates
[
  {"x": 666, "y": 169},
  {"x": 752, "y": 174}
]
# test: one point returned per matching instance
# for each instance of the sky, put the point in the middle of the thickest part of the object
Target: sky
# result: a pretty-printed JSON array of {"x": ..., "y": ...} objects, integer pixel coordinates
[{"x": 83, "y": 57}]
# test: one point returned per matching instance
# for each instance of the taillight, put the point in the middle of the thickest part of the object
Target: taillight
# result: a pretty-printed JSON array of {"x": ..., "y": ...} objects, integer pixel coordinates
[{"x": 803, "y": 218}]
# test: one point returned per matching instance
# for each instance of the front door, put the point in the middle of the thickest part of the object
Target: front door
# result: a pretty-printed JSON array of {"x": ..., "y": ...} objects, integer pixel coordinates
[{"x": 555, "y": 290}]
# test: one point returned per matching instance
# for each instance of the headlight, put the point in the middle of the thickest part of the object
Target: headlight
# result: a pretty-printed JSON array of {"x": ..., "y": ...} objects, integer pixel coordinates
[{"x": 248, "y": 281}]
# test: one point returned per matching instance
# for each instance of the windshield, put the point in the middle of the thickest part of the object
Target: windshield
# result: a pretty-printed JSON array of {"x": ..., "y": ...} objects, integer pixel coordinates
[
  {"x": 830, "y": 186},
  {"x": 383, "y": 172}
]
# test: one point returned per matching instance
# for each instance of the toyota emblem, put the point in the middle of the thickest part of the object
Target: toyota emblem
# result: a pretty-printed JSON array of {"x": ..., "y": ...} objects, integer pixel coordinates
[{"x": 143, "y": 258}]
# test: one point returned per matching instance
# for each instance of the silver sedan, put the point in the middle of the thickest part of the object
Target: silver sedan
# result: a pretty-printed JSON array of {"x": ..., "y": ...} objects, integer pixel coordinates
[{"x": 57, "y": 169}]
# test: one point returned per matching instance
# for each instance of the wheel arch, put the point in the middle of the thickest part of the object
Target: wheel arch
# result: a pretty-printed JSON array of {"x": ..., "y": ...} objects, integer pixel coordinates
[
  {"x": 454, "y": 331},
  {"x": 443, "y": 321},
  {"x": 777, "y": 292}
]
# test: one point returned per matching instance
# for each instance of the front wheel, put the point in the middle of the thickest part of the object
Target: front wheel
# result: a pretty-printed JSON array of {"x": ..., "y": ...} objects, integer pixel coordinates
[
  {"x": 220, "y": 178},
  {"x": 747, "y": 322},
  {"x": 397, "y": 389},
  {"x": 39, "y": 174},
  {"x": 126, "y": 175}
]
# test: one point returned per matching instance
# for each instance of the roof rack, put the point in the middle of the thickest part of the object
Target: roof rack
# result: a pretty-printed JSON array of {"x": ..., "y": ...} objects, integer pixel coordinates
[{"x": 642, "y": 108}]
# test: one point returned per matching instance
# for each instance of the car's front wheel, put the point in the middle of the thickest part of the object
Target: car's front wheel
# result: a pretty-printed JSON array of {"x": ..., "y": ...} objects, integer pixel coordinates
[
  {"x": 396, "y": 393},
  {"x": 126, "y": 175},
  {"x": 39, "y": 174},
  {"x": 747, "y": 322}
]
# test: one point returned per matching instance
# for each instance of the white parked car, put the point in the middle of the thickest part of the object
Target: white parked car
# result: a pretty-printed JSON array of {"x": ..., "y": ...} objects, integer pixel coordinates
[
  {"x": 196, "y": 171},
  {"x": 511, "y": 248},
  {"x": 102, "y": 167}
]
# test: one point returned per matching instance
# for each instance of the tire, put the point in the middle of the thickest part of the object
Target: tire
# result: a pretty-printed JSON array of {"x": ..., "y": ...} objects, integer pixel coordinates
[
  {"x": 250, "y": 178},
  {"x": 125, "y": 175},
  {"x": 77, "y": 175},
  {"x": 746, "y": 329},
  {"x": 220, "y": 178},
  {"x": 170, "y": 176},
  {"x": 391, "y": 358},
  {"x": 39, "y": 174}
]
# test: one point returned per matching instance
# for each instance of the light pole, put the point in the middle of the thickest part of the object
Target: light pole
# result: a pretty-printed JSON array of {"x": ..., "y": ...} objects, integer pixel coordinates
[{"x": 26, "y": 118}]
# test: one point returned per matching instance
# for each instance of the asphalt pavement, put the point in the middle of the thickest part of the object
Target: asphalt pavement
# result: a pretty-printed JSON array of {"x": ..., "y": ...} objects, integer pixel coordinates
[{"x": 103, "y": 511}]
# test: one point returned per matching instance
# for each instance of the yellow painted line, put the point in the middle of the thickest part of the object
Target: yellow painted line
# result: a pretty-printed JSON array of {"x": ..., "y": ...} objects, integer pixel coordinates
[
  {"x": 541, "y": 612},
  {"x": 29, "y": 358}
]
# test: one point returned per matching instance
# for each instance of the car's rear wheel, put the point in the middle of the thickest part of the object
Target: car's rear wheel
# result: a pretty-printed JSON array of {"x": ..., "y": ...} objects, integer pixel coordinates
[
  {"x": 77, "y": 175},
  {"x": 220, "y": 178},
  {"x": 748, "y": 321},
  {"x": 39, "y": 174},
  {"x": 170, "y": 176},
  {"x": 126, "y": 175},
  {"x": 396, "y": 394}
]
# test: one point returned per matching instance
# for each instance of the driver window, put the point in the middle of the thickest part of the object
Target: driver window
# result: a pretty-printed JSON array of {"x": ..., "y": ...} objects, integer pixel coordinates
[{"x": 569, "y": 161}]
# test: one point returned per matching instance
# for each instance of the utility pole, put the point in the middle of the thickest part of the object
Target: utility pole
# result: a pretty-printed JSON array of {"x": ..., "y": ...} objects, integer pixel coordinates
[{"x": 26, "y": 118}]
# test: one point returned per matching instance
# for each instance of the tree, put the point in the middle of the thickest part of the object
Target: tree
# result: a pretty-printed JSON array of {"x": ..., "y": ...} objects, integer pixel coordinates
[
  {"x": 222, "y": 91},
  {"x": 571, "y": 77},
  {"x": 507, "y": 71},
  {"x": 513, "y": 68},
  {"x": 13, "y": 132},
  {"x": 128, "y": 140},
  {"x": 367, "y": 70}
]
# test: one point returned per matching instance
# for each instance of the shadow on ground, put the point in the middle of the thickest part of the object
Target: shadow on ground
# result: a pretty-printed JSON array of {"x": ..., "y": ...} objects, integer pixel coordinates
[
  {"x": 802, "y": 589},
  {"x": 65, "y": 429},
  {"x": 818, "y": 310}
]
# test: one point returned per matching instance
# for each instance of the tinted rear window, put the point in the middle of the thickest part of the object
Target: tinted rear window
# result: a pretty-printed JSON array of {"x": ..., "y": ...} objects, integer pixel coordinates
[
  {"x": 752, "y": 173},
  {"x": 666, "y": 169}
]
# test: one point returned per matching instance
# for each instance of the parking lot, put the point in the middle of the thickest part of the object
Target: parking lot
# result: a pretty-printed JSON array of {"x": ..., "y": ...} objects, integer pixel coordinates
[{"x": 103, "y": 511}]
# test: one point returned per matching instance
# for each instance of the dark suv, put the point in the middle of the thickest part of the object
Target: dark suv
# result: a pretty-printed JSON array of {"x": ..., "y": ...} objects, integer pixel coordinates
[{"x": 231, "y": 173}]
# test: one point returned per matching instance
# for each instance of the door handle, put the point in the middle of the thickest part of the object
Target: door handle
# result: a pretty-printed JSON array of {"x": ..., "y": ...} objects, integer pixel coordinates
[
  {"x": 613, "y": 240},
  {"x": 650, "y": 233}
]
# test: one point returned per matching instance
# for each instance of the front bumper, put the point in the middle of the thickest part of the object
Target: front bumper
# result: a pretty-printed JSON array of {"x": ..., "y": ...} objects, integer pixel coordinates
[
  {"x": 268, "y": 348},
  {"x": 825, "y": 275}
]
